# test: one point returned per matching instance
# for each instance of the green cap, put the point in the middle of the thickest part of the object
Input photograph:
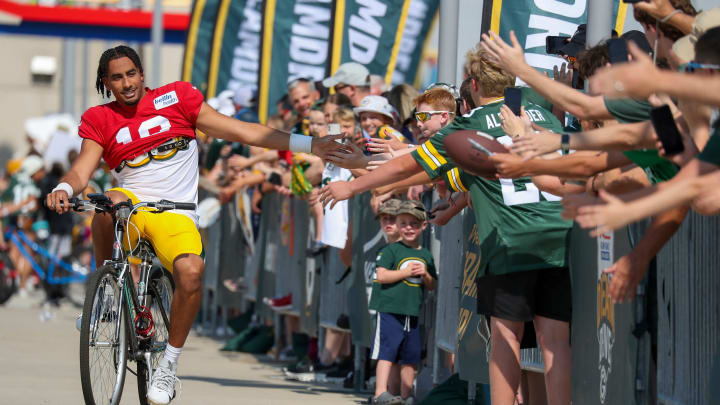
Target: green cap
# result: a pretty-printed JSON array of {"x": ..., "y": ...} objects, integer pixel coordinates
[{"x": 412, "y": 207}]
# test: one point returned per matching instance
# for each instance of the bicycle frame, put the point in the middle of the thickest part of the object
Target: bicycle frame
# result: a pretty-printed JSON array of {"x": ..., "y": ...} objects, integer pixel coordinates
[
  {"x": 135, "y": 299},
  {"x": 19, "y": 239}
]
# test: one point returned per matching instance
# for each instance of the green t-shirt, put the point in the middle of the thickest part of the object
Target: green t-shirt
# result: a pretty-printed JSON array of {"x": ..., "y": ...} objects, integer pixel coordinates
[
  {"x": 627, "y": 111},
  {"x": 519, "y": 227},
  {"x": 405, "y": 296},
  {"x": 711, "y": 152}
]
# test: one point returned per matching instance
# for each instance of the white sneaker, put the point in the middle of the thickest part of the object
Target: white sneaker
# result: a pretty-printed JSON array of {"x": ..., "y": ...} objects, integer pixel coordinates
[{"x": 162, "y": 386}]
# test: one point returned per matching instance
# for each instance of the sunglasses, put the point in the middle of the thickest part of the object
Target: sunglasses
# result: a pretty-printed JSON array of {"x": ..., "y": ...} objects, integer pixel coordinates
[
  {"x": 693, "y": 66},
  {"x": 339, "y": 87},
  {"x": 423, "y": 116}
]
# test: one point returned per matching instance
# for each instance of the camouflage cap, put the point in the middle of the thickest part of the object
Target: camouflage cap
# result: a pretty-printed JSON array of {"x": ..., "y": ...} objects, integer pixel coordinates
[
  {"x": 389, "y": 207},
  {"x": 414, "y": 208}
]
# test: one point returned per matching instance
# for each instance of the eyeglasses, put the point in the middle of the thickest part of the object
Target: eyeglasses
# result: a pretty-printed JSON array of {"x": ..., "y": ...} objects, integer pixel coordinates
[
  {"x": 445, "y": 86},
  {"x": 423, "y": 116},
  {"x": 692, "y": 66}
]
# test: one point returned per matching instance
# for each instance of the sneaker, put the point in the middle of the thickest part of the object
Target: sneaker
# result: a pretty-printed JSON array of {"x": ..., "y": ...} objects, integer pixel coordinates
[
  {"x": 162, "y": 386},
  {"x": 279, "y": 304},
  {"x": 387, "y": 398},
  {"x": 409, "y": 400},
  {"x": 303, "y": 371}
]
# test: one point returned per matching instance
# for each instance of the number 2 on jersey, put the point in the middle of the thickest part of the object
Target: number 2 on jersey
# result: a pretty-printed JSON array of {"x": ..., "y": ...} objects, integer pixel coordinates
[
  {"x": 531, "y": 194},
  {"x": 124, "y": 136}
]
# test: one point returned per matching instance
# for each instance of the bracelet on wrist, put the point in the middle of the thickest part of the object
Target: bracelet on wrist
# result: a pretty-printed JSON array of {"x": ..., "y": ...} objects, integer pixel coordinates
[{"x": 669, "y": 16}]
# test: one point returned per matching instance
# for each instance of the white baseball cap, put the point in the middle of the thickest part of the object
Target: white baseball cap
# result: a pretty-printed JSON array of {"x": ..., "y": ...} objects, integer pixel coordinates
[
  {"x": 378, "y": 104},
  {"x": 244, "y": 96},
  {"x": 350, "y": 73}
]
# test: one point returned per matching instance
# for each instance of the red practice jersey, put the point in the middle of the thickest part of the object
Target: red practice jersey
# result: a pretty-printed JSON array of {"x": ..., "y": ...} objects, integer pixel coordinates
[{"x": 162, "y": 114}]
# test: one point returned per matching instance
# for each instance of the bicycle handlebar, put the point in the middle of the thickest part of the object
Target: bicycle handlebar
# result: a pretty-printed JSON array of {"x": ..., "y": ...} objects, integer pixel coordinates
[{"x": 104, "y": 204}]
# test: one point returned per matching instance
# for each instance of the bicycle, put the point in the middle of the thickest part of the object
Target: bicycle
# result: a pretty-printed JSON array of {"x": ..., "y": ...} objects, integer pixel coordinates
[{"x": 119, "y": 322}]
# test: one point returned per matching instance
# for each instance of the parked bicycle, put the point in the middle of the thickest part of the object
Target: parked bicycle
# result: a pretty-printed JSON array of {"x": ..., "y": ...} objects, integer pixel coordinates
[{"x": 121, "y": 322}]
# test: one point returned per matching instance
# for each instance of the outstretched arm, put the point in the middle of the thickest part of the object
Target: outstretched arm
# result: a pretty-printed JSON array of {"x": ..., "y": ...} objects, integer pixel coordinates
[
  {"x": 512, "y": 59},
  {"x": 616, "y": 211},
  {"x": 640, "y": 78},
  {"x": 216, "y": 125},
  {"x": 578, "y": 165},
  {"x": 611, "y": 137},
  {"x": 391, "y": 172}
]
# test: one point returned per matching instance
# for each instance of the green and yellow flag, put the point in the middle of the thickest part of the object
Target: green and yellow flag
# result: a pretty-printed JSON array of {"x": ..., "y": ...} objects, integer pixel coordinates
[
  {"x": 421, "y": 17},
  {"x": 533, "y": 20},
  {"x": 295, "y": 44},
  {"x": 197, "y": 44},
  {"x": 369, "y": 32},
  {"x": 235, "y": 46}
]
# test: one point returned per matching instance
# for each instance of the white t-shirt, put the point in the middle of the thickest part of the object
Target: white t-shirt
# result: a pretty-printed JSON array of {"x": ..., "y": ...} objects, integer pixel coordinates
[
  {"x": 174, "y": 179},
  {"x": 335, "y": 220}
]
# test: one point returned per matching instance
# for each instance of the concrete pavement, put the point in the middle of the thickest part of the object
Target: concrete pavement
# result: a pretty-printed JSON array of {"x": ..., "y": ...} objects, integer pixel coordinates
[{"x": 39, "y": 365}]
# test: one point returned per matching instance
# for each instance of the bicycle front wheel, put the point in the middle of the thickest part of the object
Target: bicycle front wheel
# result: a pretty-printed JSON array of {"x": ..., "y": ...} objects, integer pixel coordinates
[
  {"x": 160, "y": 296},
  {"x": 103, "y": 340}
]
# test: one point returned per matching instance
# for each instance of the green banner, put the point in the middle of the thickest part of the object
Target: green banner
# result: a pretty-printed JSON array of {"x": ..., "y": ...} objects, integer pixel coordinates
[
  {"x": 369, "y": 32},
  {"x": 235, "y": 47},
  {"x": 295, "y": 44},
  {"x": 421, "y": 16},
  {"x": 197, "y": 45},
  {"x": 533, "y": 20},
  {"x": 473, "y": 351},
  {"x": 367, "y": 241}
]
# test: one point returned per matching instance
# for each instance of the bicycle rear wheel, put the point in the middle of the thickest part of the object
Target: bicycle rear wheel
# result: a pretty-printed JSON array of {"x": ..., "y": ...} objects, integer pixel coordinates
[
  {"x": 103, "y": 340},
  {"x": 160, "y": 295}
]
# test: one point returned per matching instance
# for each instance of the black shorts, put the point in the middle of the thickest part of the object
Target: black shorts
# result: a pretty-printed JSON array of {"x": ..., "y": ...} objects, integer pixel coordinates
[{"x": 520, "y": 296}]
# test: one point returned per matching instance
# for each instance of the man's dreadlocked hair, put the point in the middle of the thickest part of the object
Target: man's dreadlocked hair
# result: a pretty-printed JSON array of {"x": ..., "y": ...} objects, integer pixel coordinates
[{"x": 117, "y": 52}]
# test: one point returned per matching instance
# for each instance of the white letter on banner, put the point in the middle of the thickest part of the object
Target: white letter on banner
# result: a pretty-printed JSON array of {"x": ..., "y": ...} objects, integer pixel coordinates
[
  {"x": 308, "y": 50},
  {"x": 312, "y": 21},
  {"x": 365, "y": 20},
  {"x": 253, "y": 18},
  {"x": 549, "y": 26},
  {"x": 574, "y": 10},
  {"x": 363, "y": 47}
]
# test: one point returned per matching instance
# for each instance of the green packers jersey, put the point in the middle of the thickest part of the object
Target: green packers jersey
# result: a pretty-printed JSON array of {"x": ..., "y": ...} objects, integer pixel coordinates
[
  {"x": 627, "y": 111},
  {"x": 519, "y": 227},
  {"x": 405, "y": 296},
  {"x": 711, "y": 152}
]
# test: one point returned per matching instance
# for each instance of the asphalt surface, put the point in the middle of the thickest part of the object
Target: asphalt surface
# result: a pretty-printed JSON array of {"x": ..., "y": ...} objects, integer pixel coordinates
[{"x": 39, "y": 365}]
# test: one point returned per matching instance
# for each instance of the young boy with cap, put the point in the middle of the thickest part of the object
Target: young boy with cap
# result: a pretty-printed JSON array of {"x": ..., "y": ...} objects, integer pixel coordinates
[
  {"x": 404, "y": 270},
  {"x": 376, "y": 118}
]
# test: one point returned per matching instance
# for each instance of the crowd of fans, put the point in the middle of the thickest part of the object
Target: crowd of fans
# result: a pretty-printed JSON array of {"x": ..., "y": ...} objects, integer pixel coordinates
[{"x": 596, "y": 149}]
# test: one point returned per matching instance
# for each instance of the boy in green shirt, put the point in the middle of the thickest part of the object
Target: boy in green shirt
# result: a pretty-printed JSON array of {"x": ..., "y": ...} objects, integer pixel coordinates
[{"x": 404, "y": 270}]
